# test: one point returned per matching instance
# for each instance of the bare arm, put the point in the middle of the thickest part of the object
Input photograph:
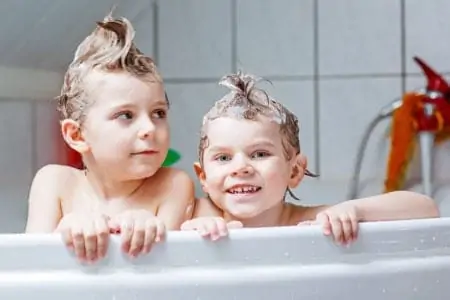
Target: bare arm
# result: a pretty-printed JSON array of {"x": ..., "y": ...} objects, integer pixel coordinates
[
  {"x": 179, "y": 208},
  {"x": 44, "y": 211},
  {"x": 399, "y": 205}
]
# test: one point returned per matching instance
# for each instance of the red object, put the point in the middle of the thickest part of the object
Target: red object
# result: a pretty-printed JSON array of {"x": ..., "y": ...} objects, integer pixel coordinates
[
  {"x": 73, "y": 158},
  {"x": 437, "y": 85}
]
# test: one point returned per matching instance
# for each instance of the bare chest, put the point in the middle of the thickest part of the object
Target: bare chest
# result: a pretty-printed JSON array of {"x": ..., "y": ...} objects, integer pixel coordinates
[{"x": 82, "y": 201}]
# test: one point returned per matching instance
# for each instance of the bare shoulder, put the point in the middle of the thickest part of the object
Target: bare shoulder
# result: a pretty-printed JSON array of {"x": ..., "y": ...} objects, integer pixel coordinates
[
  {"x": 174, "y": 180},
  {"x": 176, "y": 192},
  {"x": 49, "y": 186},
  {"x": 172, "y": 185},
  {"x": 299, "y": 213},
  {"x": 54, "y": 175},
  {"x": 206, "y": 208}
]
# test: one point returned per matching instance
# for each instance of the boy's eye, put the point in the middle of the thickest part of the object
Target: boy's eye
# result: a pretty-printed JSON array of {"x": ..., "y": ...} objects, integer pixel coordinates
[
  {"x": 260, "y": 154},
  {"x": 159, "y": 114},
  {"x": 127, "y": 115},
  {"x": 222, "y": 157}
]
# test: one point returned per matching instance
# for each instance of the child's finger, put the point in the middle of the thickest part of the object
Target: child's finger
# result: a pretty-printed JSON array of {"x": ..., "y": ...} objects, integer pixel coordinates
[
  {"x": 114, "y": 225},
  {"x": 90, "y": 241},
  {"x": 336, "y": 229},
  {"x": 138, "y": 237},
  {"x": 150, "y": 235},
  {"x": 324, "y": 220},
  {"x": 211, "y": 228},
  {"x": 102, "y": 237},
  {"x": 188, "y": 225},
  {"x": 234, "y": 225},
  {"x": 160, "y": 230},
  {"x": 346, "y": 229},
  {"x": 222, "y": 228},
  {"x": 78, "y": 242},
  {"x": 202, "y": 229},
  {"x": 126, "y": 230},
  {"x": 66, "y": 236},
  {"x": 77, "y": 238},
  {"x": 355, "y": 227}
]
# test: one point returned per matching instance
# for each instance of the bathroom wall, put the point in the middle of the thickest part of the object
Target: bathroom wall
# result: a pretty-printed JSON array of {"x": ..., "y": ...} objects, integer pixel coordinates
[{"x": 334, "y": 63}]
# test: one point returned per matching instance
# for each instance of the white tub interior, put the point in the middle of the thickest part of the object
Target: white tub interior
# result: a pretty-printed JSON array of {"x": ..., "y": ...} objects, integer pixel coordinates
[{"x": 390, "y": 261}]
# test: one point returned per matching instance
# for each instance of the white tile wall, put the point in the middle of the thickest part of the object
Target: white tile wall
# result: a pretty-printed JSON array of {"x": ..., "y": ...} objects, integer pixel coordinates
[
  {"x": 359, "y": 37},
  {"x": 426, "y": 34},
  {"x": 346, "y": 108},
  {"x": 194, "y": 38},
  {"x": 16, "y": 161},
  {"x": 145, "y": 31},
  {"x": 268, "y": 44}
]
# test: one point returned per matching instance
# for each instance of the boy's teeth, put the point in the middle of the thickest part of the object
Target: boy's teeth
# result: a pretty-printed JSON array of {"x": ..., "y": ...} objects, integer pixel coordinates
[{"x": 249, "y": 189}]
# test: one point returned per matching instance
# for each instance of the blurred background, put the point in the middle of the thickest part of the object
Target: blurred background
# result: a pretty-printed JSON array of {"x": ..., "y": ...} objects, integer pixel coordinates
[{"x": 334, "y": 63}]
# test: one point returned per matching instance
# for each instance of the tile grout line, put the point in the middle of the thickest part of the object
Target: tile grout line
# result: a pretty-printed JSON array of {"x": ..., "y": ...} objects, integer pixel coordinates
[
  {"x": 290, "y": 78},
  {"x": 34, "y": 125},
  {"x": 316, "y": 86},
  {"x": 403, "y": 45},
  {"x": 156, "y": 33},
  {"x": 234, "y": 29}
]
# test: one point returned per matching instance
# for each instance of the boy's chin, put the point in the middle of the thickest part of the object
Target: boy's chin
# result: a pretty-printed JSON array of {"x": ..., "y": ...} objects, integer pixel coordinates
[
  {"x": 247, "y": 212},
  {"x": 142, "y": 172}
]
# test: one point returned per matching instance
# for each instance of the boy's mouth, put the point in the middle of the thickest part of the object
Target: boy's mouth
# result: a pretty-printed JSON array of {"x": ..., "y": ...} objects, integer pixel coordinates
[
  {"x": 243, "y": 189},
  {"x": 146, "y": 152}
]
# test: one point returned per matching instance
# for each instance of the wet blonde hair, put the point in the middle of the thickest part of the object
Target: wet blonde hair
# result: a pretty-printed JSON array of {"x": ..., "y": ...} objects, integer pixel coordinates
[
  {"x": 108, "y": 48},
  {"x": 246, "y": 101}
]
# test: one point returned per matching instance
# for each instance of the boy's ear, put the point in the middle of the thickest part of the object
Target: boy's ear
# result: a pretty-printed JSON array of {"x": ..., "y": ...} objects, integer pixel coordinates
[
  {"x": 199, "y": 171},
  {"x": 71, "y": 133},
  {"x": 298, "y": 170},
  {"x": 200, "y": 174}
]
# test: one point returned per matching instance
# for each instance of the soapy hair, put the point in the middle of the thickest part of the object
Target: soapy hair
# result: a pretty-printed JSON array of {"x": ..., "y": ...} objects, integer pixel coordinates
[{"x": 108, "y": 48}]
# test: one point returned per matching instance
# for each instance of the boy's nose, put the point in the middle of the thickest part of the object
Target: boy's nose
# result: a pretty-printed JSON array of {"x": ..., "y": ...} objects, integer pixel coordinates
[
  {"x": 245, "y": 171},
  {"x": 147, "y": 128},
  {"x": 242, "y": 167}
]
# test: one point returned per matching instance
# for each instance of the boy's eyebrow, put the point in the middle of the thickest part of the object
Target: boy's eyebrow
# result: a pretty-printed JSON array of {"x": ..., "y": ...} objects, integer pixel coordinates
[
  {"x": 263, "y": 143},
  {"x": 217, "y": 148},
  {"x": 160, "y": 103},
  {"x": 117, "y": 106},
  {"x": 122, "y": 106}
]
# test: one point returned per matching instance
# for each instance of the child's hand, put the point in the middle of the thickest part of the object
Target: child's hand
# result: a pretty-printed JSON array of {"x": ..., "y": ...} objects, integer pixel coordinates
[
  {"x": 340, "y": 221},
  {"x": 139, "y": 230},
  {"x": 210, "y": 227},
  {"x": 86, "y": 235}
]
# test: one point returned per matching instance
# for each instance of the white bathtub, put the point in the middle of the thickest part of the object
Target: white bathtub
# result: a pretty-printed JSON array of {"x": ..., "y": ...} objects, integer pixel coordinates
[{"x": 390, "y": 261}]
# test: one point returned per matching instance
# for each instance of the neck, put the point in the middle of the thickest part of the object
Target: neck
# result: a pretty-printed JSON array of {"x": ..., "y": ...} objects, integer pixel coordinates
[
  {"x": 271, "y": 217},
  {"x": 109, "y": 188}
]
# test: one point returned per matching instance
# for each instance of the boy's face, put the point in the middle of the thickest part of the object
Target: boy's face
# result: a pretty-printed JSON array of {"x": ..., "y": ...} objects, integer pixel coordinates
[
  {"x": 245, "y": 170},
  {"x": 126, "y": 127}
]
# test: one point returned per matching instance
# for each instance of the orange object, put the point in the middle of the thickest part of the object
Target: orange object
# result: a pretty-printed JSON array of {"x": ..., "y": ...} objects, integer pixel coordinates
[
  {"x": 411, "y": 118},
  {"x": 403, "y": 143}
]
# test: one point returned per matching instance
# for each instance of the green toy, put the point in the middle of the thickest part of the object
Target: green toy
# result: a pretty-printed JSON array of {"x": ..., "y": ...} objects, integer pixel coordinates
[{"x": 171, "y": 158}]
